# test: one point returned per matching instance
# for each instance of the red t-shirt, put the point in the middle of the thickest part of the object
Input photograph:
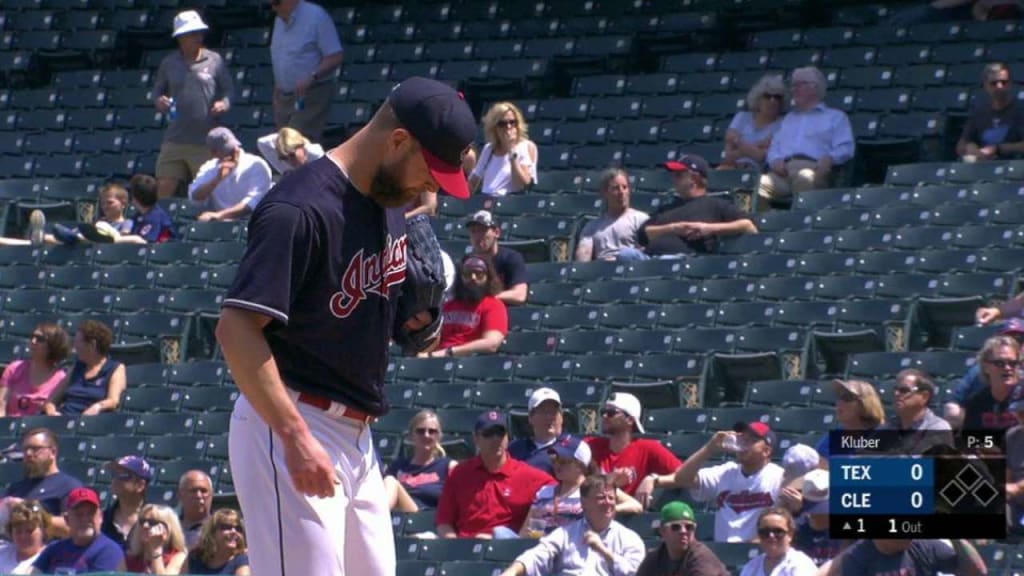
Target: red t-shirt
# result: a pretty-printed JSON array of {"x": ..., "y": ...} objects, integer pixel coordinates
[
  {"x": 641, "y": 457},
  {"x": 476, "y": 501},
  {"x": 465, "y": 322}
]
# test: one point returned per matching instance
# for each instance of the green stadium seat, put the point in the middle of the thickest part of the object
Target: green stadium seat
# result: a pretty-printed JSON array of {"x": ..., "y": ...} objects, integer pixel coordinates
[
  {"x": 102, "y": 449},
  {"x": 161, "y": 424},
  {"x": 669, "y": 291},
  {"x": 175, "y": 446},
  {"x": 505, "y": 551},
  {"x": 672, "y": 420},
  {"x": 198, "y": 373},
  {"x": 702, "y": 340},
  {"x": 587, "y": 342},
  {"x": 546, "y": 294},
  {"x": 210, "y": 399},
  {"x": 727, "y": 376},
  {"x": 529, "y": 342},
  {"x": 684, "y": 445},
  {"x": 425, "y": 370},
  {"x": 151, "y": 399},
  {"x": 106, "y": 424},
  {"x": 645, "y": 341},
  {"x": 461, "y": 549},
  {"x": 630, "y": 316},
  {"x": 444, "y": 395},
  {"x": 614, "y": 367},
  {"x": 406, "y": 567}
]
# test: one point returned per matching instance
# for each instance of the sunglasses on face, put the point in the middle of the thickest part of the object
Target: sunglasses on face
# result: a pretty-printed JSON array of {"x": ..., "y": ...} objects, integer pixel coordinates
[
  {"x": 904, "y": 390},
  {"x": 36, "y": 338},
  {"x": 229, "y": 527},
  {"x": 772, "y": 97},
  {"x": 771, "y": 532},
  {"x": 508, "y": 123},
  {"x": 848, "y": 397},
  {"x": 1004, "y": 364},
  {"x": 998, "y": 82},
  {"x": 682, "y": 527},
  {"x": 427, "y": 431},
  {"x": 150, "y": 522}
]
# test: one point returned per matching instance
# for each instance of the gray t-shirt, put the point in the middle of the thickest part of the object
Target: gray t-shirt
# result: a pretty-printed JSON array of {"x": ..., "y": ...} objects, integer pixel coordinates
[
  {"x": 609, "y": 235},
  {"x": 194, "y": 87}
]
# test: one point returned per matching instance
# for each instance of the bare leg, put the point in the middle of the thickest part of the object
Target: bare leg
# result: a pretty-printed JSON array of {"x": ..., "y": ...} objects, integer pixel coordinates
[
  {"x": 13, "y": 242},
  {"x": 398, "y": 499}
]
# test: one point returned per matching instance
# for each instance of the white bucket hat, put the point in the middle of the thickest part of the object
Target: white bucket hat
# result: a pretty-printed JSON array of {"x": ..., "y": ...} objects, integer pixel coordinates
[{"x": 187, "y": 22}]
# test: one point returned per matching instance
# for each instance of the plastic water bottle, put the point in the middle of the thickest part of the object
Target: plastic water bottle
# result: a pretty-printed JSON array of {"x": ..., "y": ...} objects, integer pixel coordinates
[
  {"x": 300, "y": 104},
  {"x": 173, "y": 112}
]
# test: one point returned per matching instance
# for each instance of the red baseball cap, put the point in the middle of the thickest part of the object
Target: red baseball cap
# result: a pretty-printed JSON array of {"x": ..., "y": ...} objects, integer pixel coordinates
[
  {"x": 759, "y": 429},
  {"x": 82, "y": 495},
  {"x": 689, "y": 163}
]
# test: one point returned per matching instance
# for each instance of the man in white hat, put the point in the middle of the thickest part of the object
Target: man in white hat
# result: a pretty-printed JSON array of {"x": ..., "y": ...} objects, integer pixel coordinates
[
  {"x": 638, "y": 465},
  {"x": 545, "y": 417},
  {"x": 811, "y": 536},
  {"x": 193, "y": 88}
]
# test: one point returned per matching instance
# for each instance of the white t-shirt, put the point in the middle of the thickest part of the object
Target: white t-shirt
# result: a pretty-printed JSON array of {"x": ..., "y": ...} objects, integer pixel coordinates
[
  {"x": 249, "y": 181},
  {"x": 9, "y": 560},
  {"x": 495, "y": 171},
  {"x": 739, "y": 499},
  {"x": 608, "y": 235},
  {"x": 795, "y": 563},
  {"x": 268, "y": 148}
]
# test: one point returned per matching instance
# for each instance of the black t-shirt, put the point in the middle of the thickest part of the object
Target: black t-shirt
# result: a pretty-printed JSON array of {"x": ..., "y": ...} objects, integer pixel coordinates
[
  {"x": 923, "y": 558},
  {"x": 326, "y": 264},
  {"x": 510, "y": 266},
  {"x": 983, "y": 412},
  {"x": 711, "y": 209},
  {"x": 988, "y": 127},
  {"x": 109, "y": 528}
]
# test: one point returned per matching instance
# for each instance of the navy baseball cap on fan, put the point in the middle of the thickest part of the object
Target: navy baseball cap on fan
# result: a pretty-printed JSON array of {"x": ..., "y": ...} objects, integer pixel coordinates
[
  {"x": 689, "y": 163},
  {"x": 490, "y": 420},
  {"x": 759, "y": 429},
  {"x": 441, "y": 121}
]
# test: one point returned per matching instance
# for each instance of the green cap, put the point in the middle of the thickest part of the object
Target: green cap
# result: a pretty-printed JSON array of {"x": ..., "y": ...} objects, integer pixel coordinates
[{"x": 676, "y": 510}]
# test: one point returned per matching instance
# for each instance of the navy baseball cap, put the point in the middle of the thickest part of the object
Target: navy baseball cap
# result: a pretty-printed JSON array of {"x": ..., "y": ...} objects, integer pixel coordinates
[
  {"x": 489, "y": 421},
  {"x": 689, "y": 163},
  {"x": 439, "y": 118}
]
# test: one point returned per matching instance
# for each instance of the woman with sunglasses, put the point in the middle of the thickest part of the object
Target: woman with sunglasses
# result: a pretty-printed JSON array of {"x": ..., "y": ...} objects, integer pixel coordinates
[
  {"x": 415, "y": 482},
  {"x": 28, "y": 527},
  {"x": 557, "y": 505},
  {"x": 508, "y": 162},
  {"x": 858, "y": 407},
  {"x": 775, "y": 529},
  {"x": 157, "y": 543},
  {"x": 750, "y": 132},
  {"x": 221, "y": 548},
  {"x": 27, "y": 384},
  {"x": 96, "y": 381}
]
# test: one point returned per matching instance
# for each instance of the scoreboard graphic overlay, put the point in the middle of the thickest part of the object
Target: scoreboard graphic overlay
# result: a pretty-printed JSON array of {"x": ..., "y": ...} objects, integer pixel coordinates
[{"x": 920, "y": 484}]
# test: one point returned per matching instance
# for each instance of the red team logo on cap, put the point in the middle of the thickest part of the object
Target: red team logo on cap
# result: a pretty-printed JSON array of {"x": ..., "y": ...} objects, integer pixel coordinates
[{"x": 371, "y": 274}]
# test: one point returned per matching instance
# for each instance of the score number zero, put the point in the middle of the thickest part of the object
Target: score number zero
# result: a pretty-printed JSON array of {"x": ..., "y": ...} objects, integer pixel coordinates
[{"x": 863, "y": 499}]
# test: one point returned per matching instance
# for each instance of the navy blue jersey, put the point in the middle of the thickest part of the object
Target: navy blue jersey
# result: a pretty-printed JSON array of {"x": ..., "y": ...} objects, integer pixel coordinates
[
  {"x": 326, "y": 264},
  {"x": 154, "y": 226}
]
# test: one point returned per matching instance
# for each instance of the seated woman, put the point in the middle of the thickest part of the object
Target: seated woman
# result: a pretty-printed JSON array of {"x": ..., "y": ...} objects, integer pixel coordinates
[
  {"x": 475, "y": 321},
  {"x": 221, "y": 548},
  {"x": 775, "y": 530},
  {"x": 28, "y": 527},
  {"x": 27, "y": 384},
  {"x": 157, "y": 543},
  {"x": 96, "y": 381},
  {"x": 508, "y": 162},
  {"x": 750, "y": 132},
  {"x": 287, "y": 149},
  {"x": 557, "y": 505},
  {"x": 414, "y": 482}
]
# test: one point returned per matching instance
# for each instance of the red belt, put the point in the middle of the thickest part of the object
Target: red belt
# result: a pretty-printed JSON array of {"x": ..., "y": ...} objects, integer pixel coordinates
[{"x": 325, "y": 404}]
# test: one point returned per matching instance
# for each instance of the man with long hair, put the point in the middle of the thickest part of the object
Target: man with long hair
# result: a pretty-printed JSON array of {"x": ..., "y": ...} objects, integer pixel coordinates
[{"x": 475, "y": 321}]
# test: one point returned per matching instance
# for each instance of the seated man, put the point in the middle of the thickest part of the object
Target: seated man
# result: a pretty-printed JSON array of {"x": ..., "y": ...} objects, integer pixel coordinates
[
  {"x": 995, "y": 126},
  {"x": 544, "y": 413},
  {"x": 918, "y": 557},
  {"x": 231, "y": 183},
  {"x": 692, "y": 222},
  {"x": 812, "y": 141},
  {"x": 43, "y": 480},
  {"x": 87, "y": 549},
  {"x": 475, "y": 321},
  {"x": 603, "y": 238},
  {"x": 680, "y": 553},
  {"x": 484, "y": 232}
]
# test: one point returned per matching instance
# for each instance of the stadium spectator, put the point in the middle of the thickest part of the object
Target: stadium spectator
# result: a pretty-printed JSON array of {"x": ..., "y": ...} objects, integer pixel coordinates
[
  {"x": 151, "y": 223},
  {"x": 43, "y": 479},
  {"x": 475, "y": 321},
  {"x": 96, "y": 381},
  {"x": 917, "y": 557},
  {"x": 129, "y": 478},
  {"x": 618, "y": 227},
  {"x": 680, "y": 553},
  {"x": 488, "y": 495},
  {"x": 995, "y": 125},
  {"x": 510, "y": 265},
  {"x": 798, "y": 460},
  {"x": 508, "y": 162},
  {"x": 1007, "y": 310},
  {"x": 304, "y": 52},
  {"x": 193, "y": 88},
  {"x": 231, "y": 183},
  {"x": 693, "y": 221},
  {"x": 636, "y": 465},
  {"x": 594, "y": 545},
  {"x": 287, "y": 149},
  {"x": 195, "y": 493},
  {"x": 557, "y": 505},
  {"x": 858, "y": 407},
  {"x": 221, "y": 548},
  {"x": 812, "y": 536},
  {"x": 988, "y": 408},
  {"x": 415, "y": 482},
  {"x": 812, "y": 141},
  {"x": 544, "y": 413},
  {"x": 750, "y": 132},
  {"x": 28, "y": 527},
  {"x": 86, "y": 549},
  {"x": 775, "y": 530},
  {"x": 112, "y": 203},
  {"x": 26, "y": 384},
  {"x": 743, "y": 487},
  {"x": 973, "y": 381},
  {"x": 1015, "y": 469},
  {"x": 157, "y": 543},
  {"x": 912, "y": 394}
]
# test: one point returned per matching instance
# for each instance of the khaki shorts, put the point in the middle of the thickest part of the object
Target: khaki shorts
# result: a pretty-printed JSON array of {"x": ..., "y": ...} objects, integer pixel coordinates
[
  {"x": 312, "y": 119},
  {"x": 180, "y": 161}
]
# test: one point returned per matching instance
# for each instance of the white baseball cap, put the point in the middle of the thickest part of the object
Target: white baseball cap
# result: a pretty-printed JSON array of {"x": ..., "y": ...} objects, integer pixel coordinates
[
  {"x": 815, "y": 492},
  {"x": 572, "y": 447},
  {"x": 187, "y": 22},
  {"x": 628, "y": 404},
  {"x": 541, "y": 395},
  {"x": 799, "y": 459}
]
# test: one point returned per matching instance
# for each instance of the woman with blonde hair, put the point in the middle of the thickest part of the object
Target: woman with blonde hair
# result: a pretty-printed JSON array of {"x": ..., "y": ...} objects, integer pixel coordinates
[
  {"x": 508, "y": 162},
  {"x": 28, "y": 528},
  {"x": 221, "y": 548},
  {"x": 858, "y": 408},
  {"x": 157, "y": 543},
  {"x": 287, "y": 149},
  {"x": 750, "y": 132},
  {"x": 415, "y": 482}
]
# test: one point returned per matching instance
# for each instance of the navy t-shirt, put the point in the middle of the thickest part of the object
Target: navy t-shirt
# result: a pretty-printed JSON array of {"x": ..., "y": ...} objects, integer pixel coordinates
[
  {"x": 526, "y": 450},
  {"x": 815, "y": 543},
  {"x": 197, "y": 566},
  {"x": 84, "y": 392},
  {"x": 983, "y": 412},
  {"x": 50, "y": 490},
  {"x": 154, "y": 226},
  {"x": 510, "y": 266},
  {"x": 326, "y": 264},
  {"x": 423, "y": 483},
  {"x": 102, "y": 555},
  {"x": 923, "y": 558},
  {"x": 711, "y": 209}
]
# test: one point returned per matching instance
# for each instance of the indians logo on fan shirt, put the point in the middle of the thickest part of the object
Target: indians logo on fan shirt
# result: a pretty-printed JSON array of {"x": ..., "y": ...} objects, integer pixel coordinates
[
  {"x": 745, "y": 501},
  {"x": 370, "y": 274}
]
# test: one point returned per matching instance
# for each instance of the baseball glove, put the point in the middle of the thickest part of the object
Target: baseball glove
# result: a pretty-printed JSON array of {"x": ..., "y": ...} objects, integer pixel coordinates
[{"x": 423, "y": 289}]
